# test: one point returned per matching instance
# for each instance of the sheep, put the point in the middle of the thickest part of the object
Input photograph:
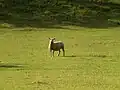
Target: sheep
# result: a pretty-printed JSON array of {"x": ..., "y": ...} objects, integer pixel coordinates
[{"x": 55, "y": 46}]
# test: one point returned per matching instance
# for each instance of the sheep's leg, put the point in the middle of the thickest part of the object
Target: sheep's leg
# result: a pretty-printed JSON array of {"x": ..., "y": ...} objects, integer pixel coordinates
[
  {"x": 50, "y": 52},
  {"x": 53, "y": 53},
  {"x": 63, "y": 51},
  {"x": 59, "y": 53}
]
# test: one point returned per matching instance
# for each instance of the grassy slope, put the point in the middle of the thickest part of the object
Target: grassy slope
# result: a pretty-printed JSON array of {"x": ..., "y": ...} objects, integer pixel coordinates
[
  {"x": 91, "y": 62},
  {"x": 115, "y": 1}
]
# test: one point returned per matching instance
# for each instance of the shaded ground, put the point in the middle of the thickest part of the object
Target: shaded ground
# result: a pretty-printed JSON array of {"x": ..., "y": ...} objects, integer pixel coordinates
[{"x": 11, "y": 65}]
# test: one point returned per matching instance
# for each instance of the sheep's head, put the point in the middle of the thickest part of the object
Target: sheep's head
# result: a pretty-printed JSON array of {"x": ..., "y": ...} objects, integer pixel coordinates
[{"x": 52, "y": 39}]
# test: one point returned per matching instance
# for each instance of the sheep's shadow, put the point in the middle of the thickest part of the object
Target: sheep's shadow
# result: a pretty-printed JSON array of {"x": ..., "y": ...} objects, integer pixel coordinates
[
  {"x": 100, "y": 56},
  {"x": 71, "y": 56}
]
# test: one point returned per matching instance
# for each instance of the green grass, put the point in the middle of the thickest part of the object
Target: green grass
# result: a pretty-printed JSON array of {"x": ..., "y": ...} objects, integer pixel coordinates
[{"x": 92, "y": 59}]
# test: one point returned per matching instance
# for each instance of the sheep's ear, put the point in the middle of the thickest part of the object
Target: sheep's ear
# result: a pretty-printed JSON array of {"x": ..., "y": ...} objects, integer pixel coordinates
[
  {"x": 54, "y": 38},
  {"x": 49, "y": 38}
]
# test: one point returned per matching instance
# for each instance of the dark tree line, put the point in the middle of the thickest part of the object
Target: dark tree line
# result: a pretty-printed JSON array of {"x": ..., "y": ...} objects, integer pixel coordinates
[{"x": 57, "y": 11}]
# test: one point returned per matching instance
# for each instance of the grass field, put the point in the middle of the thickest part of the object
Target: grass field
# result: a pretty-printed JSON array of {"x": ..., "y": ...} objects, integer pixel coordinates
[{"x": 92, "y": 59}]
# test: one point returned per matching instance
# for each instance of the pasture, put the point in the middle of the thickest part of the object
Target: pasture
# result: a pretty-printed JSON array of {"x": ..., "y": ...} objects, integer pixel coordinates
[{"x": 92, "y": 60}]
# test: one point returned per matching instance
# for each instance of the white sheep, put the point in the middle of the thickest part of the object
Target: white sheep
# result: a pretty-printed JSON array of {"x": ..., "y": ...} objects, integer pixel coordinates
[{"x": 56, "y": 46}]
